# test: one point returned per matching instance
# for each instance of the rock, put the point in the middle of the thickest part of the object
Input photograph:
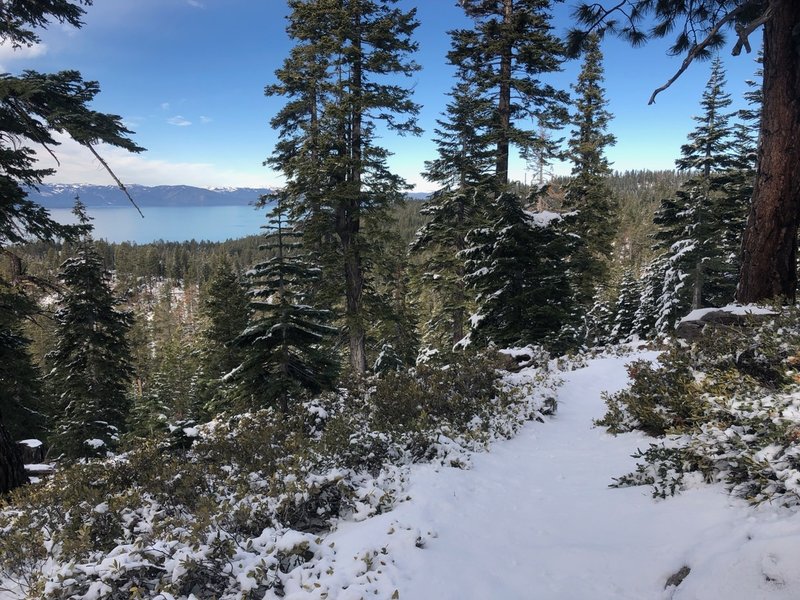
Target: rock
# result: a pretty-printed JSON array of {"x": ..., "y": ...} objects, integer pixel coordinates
[
  {"x": 32, "y": 451},
  {"x": 677, "y": 578},
  {"x": 692, "y": 326}
]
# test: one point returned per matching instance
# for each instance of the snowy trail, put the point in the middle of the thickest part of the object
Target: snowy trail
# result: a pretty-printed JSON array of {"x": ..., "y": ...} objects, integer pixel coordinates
[{"x": 535, "y": 519}]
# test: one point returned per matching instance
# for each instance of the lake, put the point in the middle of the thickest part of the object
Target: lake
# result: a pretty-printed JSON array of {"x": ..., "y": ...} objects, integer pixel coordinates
[{"x": 170, "y": 223}]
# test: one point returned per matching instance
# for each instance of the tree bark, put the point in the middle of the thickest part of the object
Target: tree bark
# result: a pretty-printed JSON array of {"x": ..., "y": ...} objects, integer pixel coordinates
[
  {"x": 504, "y": 102},
  {"x": 769, "y": 246},
  {"x": 354, "y": 272},
  {"x": 12, "y": 470}
]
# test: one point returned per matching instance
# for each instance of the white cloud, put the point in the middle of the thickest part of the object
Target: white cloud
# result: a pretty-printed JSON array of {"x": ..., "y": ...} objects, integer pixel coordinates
[
  {"x": 10, "y": 54},
  {"x": 179, "y": 121},
  {"x": 205, "y": 120},
  {"x": 195, "y": 4},
  {"x": 79, "y": 166},
  {"x": 165, "y": 106}
]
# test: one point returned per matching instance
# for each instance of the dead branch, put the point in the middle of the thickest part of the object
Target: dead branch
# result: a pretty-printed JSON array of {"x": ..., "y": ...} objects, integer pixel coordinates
[
  {"x": 697, "y": 49},
  {"x": 110, "y": 172},
  {"x": 745, "y": 31}
]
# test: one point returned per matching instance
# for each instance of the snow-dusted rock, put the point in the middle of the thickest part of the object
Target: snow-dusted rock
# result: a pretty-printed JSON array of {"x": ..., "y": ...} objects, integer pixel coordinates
[{"x": 733, "y": 315}]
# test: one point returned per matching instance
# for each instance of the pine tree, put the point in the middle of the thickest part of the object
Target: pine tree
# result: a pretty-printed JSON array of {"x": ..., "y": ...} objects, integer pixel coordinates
[
  {"x": 504, "y": 58},
  {"x": 33, "y": 106},
  {"x": 91, "y": 367},
  {"x": 285, "y": 343},
  {"x": 342, "y": 81},
  {"x": 647, "y": 317},
  {"x": 627, "y": 304},
  {"x": 769, "y": 247},
  {"x": 464, "y": 170},
  {"x": 690, "y": 228},
  {"x": 588, "y": 192},
  {"x": 504, "y": 55},
  {"x": 224, "y": 307},
  {"x": 24, "y": 407},
  {"x": 516, "y": 264}
]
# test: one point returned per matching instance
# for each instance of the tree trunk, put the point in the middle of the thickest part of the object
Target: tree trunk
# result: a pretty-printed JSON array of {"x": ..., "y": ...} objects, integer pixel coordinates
[
  {"x": 504, "y": 102},
  {"x": 769, "y": 246},
  {"x": 12, "y": 471},
  {"x": 351, "y": 222}
]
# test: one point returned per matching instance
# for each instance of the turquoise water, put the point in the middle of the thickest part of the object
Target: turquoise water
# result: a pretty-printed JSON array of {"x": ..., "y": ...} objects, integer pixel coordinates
[{"x": 170, "y": 223}]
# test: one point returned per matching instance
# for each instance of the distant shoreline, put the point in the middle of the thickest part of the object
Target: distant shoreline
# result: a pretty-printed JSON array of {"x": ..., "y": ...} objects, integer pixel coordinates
[{"x": 163, "y": 196}]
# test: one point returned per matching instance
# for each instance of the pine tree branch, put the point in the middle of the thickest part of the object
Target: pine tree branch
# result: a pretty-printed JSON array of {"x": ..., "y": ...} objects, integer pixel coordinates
[
  {"x": 120, "y": 185},
  {"x": 744, "y": 31},
  {"x": 697, "y": 49},
  {"x": 34, "y": 125}
]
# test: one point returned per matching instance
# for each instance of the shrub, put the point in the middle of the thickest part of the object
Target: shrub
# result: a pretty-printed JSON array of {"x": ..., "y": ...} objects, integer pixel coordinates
[
  {"x": 729, "y": 406},
  {"x": 232, "y": 510}
]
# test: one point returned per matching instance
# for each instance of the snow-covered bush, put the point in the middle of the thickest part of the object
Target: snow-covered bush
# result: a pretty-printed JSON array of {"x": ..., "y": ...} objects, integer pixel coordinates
[
  {"x": 242, "y": 511},
  {"x": 729, "y": 408}
]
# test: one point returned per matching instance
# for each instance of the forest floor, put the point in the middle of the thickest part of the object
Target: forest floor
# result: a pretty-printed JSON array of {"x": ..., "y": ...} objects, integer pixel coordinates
[{"x": 535, "y": 519}]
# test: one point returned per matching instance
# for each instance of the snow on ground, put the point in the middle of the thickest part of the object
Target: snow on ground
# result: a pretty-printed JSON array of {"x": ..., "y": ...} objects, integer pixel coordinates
[{"x": 535, "y": 519}]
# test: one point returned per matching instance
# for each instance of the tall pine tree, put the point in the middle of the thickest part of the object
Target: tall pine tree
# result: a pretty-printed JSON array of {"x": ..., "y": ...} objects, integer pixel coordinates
[
  {"x": 588, "y": 192},
  {"x": 341, "y": 81},
  {"x": 90, "y": 365},
  {"x": 506, "y": 53},
  {"x": 506, "y": 56},
  {"x": 690, "y": 230},
  {"x": 286, "y": 343}
]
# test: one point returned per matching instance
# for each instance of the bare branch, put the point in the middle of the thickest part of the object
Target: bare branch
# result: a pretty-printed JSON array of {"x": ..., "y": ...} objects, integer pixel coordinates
[
  {"x": 744, "y": 31},
  {"x": 697, "y": 49},
  {"x": 110, "y": 172}
]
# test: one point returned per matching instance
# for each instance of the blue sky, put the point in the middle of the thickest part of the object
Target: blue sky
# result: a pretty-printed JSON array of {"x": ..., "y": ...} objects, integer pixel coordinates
[{"x": 188, "y": 77}]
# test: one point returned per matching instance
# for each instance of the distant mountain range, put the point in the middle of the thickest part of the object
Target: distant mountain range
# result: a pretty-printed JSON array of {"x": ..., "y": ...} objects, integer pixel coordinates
[{"x": 61, "y": 195}]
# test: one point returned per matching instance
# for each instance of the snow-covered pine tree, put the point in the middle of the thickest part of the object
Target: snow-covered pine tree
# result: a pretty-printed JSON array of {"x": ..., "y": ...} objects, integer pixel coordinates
[
  {"x": 516, "y": 265},
  {"x": 505, "y": 57},
  {"x": 90, "y": 365},
  {"x": 464, "y": 171},
  {"x": 628, "y": 299},
  {"x": 650, "y": 303},
  {"x": 286, "y": 343},
  {"x": 342, "y": 82},
  {"x": 588, "y": 192},
  {"x": 689, "y": 224},
  {"x": 593, "y": 327},
  {"x": 737, "y": 182}
]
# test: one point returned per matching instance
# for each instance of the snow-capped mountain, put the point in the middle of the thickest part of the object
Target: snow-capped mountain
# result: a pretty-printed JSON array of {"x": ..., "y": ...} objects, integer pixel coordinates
[{"x": 62, "y": 195}]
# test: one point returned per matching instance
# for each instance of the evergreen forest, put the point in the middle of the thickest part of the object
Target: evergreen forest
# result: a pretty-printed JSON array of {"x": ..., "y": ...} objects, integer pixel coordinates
[{"x": 190, "y": 419}]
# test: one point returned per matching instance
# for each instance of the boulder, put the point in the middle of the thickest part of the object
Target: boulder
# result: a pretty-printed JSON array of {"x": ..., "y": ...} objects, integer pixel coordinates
[
  {"x": 32, "y": 451},
  {"x": 694, "y": 323}
]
